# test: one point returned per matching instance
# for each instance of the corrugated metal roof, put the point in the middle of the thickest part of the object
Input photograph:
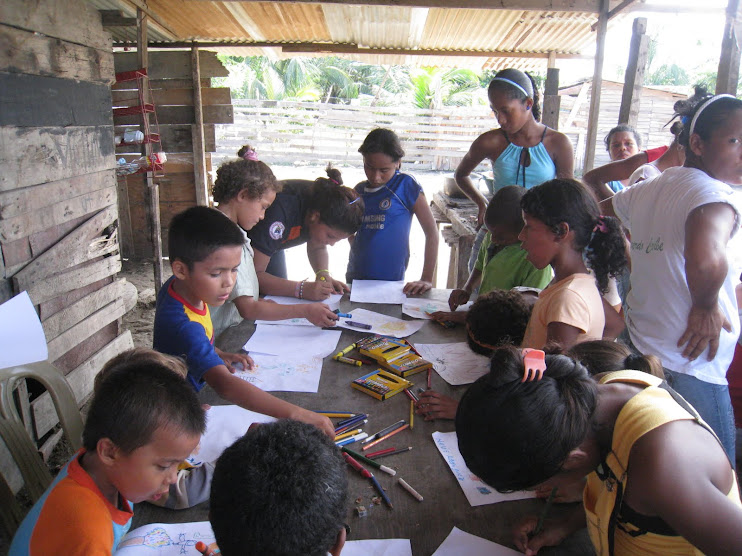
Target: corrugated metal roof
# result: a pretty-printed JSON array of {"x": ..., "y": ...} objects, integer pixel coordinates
[{"x": 366, "y": 26}]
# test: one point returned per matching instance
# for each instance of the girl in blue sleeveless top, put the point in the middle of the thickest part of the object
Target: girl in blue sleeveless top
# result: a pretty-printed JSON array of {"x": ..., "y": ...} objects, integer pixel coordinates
[{"x": 523, "y": 151}]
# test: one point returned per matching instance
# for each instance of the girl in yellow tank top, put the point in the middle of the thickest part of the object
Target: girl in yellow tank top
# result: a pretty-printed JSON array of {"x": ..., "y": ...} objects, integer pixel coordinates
[{"x": 658, "y": 480}]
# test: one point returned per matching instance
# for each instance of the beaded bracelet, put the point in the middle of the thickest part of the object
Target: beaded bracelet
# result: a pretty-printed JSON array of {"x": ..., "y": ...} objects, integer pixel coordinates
[{"x": 301, "y": 288}]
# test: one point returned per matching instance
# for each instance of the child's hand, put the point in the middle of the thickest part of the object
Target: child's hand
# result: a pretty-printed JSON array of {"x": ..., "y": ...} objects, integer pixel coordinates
[
  {"x": 565, "y": 495},
  {"x": 416, "y": 288},
  {"x": 458, "y": 297},
  {"x": 319, "y": 314},
  {"x": 237, "y": 361},
  {"x": 433, "y": 405},
  {"x": 339, "y": 287},
  {"x": 318, "y": 291},
  {"x": 320, "y": 421},
  {"x": 445, "y": 316},
  {"x": 552, "y": 534}
]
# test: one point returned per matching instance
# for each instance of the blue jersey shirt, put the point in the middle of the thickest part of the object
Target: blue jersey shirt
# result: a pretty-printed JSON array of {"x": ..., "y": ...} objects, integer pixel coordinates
[
  {"x": 184, "y": 331},
  {"x": 381, "y": 248}
]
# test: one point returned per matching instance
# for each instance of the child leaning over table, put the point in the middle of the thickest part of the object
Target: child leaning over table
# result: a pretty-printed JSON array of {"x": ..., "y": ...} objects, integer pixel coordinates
[
  {"x": 205, "y": 249},
  {"x": 131, "y": 451},
  {"x": 380, "y": 250},
  {"x": 501, "y": 263},
  {"x": 280, "y": 489}
]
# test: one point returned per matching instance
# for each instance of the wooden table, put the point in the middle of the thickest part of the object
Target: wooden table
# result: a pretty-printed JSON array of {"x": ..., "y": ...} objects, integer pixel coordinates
[
  {"x": 461, "y": 214},
  {"x": 428, "y": 523}
]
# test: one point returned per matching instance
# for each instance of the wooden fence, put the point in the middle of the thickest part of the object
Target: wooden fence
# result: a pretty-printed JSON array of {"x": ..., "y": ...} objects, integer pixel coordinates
[{"x": 289, "y": 132}]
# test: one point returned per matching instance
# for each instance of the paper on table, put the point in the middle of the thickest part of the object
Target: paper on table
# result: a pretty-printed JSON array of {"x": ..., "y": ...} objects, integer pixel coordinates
[
  {"x": 165, "y": 539},
  {"x": 22, "y": 338},
  {"x": 460, "y": 542},
  {"x": 298, "y": 321},
  {"x": 377, "y": 291},
  {"x": 333, "y": 302},
  {"x": 381, "y": 324},
  {"x": 455, "y": 363},
  {"x": 418, "y": 307},
  {"x": 175, "y": 539},
  {"x": 296, "y": 340},
  {"x": 283, "y": 373},
  {"x": 378, "y": 547},
  {"x": 475, "y": 490},
  {"x": 224, "y": 425}
]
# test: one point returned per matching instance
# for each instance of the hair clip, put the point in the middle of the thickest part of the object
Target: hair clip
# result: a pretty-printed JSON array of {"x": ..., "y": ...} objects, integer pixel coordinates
[
  {"x": 354, "y": 200},
  {"x": 336, "y": 182},
  {"x": 534, "y": 364},
  {"x": 601, "y": 226},
  {"x": 250, "y": 154}
]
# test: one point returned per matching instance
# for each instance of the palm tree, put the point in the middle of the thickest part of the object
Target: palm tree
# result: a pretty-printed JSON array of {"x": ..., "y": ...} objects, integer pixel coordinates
[{"x": 433, "y": 88}]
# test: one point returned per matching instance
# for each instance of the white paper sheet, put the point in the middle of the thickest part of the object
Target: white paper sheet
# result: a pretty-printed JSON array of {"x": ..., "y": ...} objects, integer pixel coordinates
[
  {"x": 282, "y": 373},
  {"x": 224, "y": 425},
  {"x": 276, "y": 339},
  {"x": 381, "y": 324},
  {"x": 377, "y": 291},
  {"x": 460, "y": 542},
  {"x": 419, "y": 307},
  {"x": 22, "y": 339},
  {"x": 378, "y": 547},
  {"x": 477, "y": 492},
  {"x": 297, "y": 321},
  {"x": 166, "y": 539},
  {"x": 176, "y": 539},
  {"x": 455, "y": 363}
]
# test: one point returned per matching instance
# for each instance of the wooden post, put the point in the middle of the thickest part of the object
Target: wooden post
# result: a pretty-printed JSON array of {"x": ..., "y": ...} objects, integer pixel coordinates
[
  {"x": 634, "y": 80},
  {"x": 197, "y": 131},
  {"x": 552, "y": 102},
  {"x": 153, "y": 192},
  {"x": 728, "y": 74},
  {"x": 592, "y": 121}
]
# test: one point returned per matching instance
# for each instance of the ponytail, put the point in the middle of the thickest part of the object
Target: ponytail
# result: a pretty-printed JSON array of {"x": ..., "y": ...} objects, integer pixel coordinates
[
  {"x": 514, "y": 434},
  {"x": 604, "y": 356},
  {"x": 338, "y": 206},
  {"x": 606, "y": 251}
]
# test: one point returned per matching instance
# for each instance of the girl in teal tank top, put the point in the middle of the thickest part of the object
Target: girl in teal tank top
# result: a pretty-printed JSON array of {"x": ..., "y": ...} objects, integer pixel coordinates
[{"x": 509, "y": 168}]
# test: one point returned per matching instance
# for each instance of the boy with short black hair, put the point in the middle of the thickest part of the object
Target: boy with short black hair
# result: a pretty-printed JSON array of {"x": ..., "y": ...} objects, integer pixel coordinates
[
  {"x": 205, "y": 249},
  {"x": 131, "y": 451},
  {"x": 282, "y": 489}
]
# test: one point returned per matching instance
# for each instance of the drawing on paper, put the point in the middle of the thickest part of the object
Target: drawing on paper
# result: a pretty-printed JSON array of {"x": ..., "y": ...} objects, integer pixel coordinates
[
  {"x": 455, "y": 363},
  {"x": 157, "y": 539}
]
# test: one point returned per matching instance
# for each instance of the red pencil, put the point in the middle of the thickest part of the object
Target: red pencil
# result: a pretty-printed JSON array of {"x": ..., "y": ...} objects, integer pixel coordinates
[
  {"x": 380, "y": 453},
  {"x": 430, "y": 374}
]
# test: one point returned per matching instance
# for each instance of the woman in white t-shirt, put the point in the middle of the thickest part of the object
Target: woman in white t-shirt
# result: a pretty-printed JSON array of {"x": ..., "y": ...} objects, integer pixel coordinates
[{"x": 686, "y": 260}]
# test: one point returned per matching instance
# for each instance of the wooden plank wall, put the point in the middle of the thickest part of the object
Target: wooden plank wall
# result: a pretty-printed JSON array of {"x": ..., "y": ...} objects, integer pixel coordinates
[
  {"x": 172, "y": 89},
  {"x": 58, "y": 204}
]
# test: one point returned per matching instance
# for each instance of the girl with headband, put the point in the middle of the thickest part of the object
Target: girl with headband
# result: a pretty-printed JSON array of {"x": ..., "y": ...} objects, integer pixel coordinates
[
  {"x": 523, "y": 151},
  {"x": 686, "y": 260}
]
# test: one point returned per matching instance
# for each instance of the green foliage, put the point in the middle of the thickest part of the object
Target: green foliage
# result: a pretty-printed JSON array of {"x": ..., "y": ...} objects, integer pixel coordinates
[{"x": 671, "y": 74}]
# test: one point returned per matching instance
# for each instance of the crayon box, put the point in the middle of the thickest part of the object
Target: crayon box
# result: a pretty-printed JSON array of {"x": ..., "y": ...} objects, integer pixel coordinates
[
  {"x": 394, "y": 355},
  {"x": 380, "y": 384}
]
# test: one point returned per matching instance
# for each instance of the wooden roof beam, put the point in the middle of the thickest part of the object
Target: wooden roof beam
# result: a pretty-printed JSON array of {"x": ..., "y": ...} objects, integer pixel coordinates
[
  {"x": 322, "y": 48},
  {"x": 589, "y": 6}
]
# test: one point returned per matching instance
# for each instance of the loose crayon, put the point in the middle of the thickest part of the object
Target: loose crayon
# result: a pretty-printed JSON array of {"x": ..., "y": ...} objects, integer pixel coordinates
[
  {"x": 205, "y": 550},
  {"x": 343, "y": 315},
  {"x": 345, "y": 351},
  {"x": 348, "y": 360},
  {"x": 362, "y": 325},
  {"x": 405, "y": 485}
]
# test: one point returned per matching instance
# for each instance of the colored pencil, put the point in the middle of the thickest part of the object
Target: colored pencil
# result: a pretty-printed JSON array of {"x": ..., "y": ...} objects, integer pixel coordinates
[
  {"x": 346, "y": 428},
  {"x": 353, "y": 417},
  {"x": 384, "y": 453},
  {"x": 381, "y": 491},
  {"x": 379, "y": 453},
  {"x": 350, "y": 422},
  {"x": 430, "y": 375},
  {"x": 334, "y": 414},
  {"x": 347, "y": 434},
  {"x": 382, "y": 432},
  {"x": 351, "y": 440},
  {"x": 387, "y": 435},
  {"x": 410, "y": 394},
  {"x": 405, "y": 485},
  {"x": 412, "y": 414},
  {"x": 372, "y": 463},
  {"x": 544, "y": 512}
]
